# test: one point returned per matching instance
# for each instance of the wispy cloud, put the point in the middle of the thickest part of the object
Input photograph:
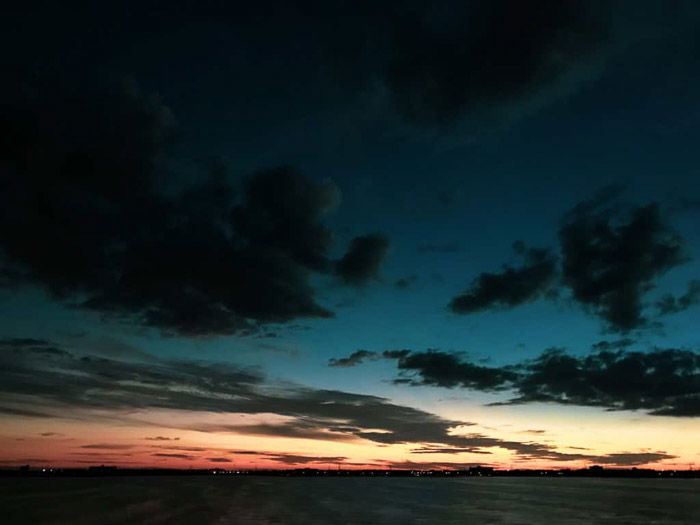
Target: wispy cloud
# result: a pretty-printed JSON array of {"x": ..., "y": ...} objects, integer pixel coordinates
[{"x": 69, "y": 386}]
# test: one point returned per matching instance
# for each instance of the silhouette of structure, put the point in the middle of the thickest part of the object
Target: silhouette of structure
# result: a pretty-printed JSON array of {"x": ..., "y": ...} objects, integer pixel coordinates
[{"x": 477, "y": 471}]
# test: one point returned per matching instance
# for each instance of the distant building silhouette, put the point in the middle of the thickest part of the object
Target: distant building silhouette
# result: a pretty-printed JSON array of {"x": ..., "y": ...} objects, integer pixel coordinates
[{"x": 102, "y": 468}]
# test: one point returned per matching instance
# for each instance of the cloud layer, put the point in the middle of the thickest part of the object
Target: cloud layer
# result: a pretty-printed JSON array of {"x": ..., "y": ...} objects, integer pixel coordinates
[
  {"x": 660, "y": 382},
  {"x": 65, "y": 384},
  {"x": 89, "y": 212},
  {"x": 470, "y": 58}
]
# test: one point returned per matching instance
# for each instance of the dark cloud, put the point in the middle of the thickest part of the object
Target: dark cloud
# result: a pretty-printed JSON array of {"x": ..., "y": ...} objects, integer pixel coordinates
[
  {"x": 296, "y": 459},
  {"x": 620, "y": 459},
  {"x": 50, "y": 434},
  {"x": 176, "y": 456},
  {"x": 91, "y": 213},
  {"x": 34, "y": 346},
  {"x": 161, "y": 438},
  {"x": 395, "y": 354},
  {"x": 669, "y": 304},
  {"x": 102, "y": 454},
  {"x": 303, "y": 428},
  {"x": 25, "y": 461},
  {"x": 18, "y": 342},
  {"x": 610, "y": 261},
  {"x": 184, "y": 449},
  {"x": 108, "y": 446},
  {"x": 362, "y": 261},
  {"x": 406, "y": 282},
  {"x": 437, "y": 63},
  {"x": 283, "y": 212},
  {"x": 67, "y": 386},
  {"x": 511, "y": 287},
  {"x": 613, "y": 345},
  {"x": 360, "y": 356},
  {"x": 611, "y": 257},
  {"x": 448, "y": 450},
  {"x": 448, "y": 370},
  {"x": 24, "y": 412},
  {"x": 654, "y": 381},
  {"x": 426, "y": 465},
  {"x": 353, "y": 359},
  {"x": 471, "y": 58},
  {"x": 631, "y": 459},
  {"x": 284, "y": 458},
  {"x": 688, "y": 406},
  {"x": 660, "y": 382}
]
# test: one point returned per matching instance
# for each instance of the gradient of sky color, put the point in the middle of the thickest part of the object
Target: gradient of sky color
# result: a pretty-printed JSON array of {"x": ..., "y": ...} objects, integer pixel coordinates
[{"x": 441, "y": 134}]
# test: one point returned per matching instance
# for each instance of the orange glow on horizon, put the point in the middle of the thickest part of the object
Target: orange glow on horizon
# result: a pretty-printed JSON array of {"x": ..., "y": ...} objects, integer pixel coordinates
[{"x": 62, "y": 443}]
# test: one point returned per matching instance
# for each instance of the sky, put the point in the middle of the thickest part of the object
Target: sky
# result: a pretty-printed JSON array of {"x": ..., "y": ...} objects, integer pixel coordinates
[{"x": 391, "y": 234}]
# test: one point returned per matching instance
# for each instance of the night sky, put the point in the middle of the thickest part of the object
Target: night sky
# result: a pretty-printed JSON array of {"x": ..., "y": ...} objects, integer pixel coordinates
[{"x": 302, "y": 233}]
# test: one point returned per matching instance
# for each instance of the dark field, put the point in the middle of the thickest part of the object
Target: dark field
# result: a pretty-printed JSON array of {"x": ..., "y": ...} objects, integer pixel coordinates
[{"x": 257, "y": 500}]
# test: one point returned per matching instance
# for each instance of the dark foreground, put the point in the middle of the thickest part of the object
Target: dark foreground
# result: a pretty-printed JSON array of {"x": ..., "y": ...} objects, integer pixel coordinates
[{"x": 263, "y": 500}]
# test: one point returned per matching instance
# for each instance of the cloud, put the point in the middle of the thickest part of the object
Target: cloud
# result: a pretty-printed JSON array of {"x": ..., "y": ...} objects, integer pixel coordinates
[
  {"x": 161, "y": 438},
  {"x": 447, "y": 370},
  {"x": 660, "y": 382},
  {"x": 613, "y": 345},
  {"x": 611, "y": 257},
  {"x": 176, "y": 456},
  {"x": 360, "y": 356},
  {"x": 302, "y": 428},
  {"x": 24, "y": 412},
  {"x": 471, "y": 59},
  {"x": 284, "y": 458},
  {"x": 353, "y": 359},
  {"x": 93, "y": 214},
  {"x": 426, "y": 465},
  {"x": 362, "y": 261},
  {"x": 688, "y": 406},
  {"x": 669, "y": 304},
  {"x": 18, "y": 342},
  {"x": 511, "y": 287},
  {"x": 406, "y": 282},
  {"x": 107, "y": 446},
  {"x": 654, "y": 381},
  {"x": 184, "y": 449},
  {"x": 631, "y": 459},
  {"x": 296, "y": 459},
  {"x": 102, "y": 454},
  {"x": 219, "y": 460},
  {"x": 283, "y": 211},
  {"x": 448, "y": 450},
  {"x": 87, "y": 387},
  {"x": 395, "y": 354},
  {"x": 610, "y": 261}
]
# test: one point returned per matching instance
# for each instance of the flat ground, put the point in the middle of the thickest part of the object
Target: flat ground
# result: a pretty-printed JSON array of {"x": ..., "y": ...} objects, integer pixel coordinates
[{"x": 262, "y": 500}]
